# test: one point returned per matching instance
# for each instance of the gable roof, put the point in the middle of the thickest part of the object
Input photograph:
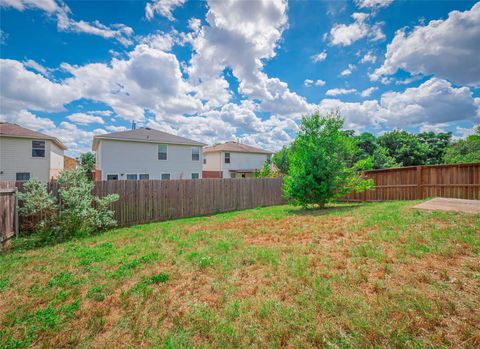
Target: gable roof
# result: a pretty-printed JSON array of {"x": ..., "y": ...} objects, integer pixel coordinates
[
  {"x": 13, "y": 130},
  {"x": 146, "y": 134},
  {"x": 235, "y": 147}
]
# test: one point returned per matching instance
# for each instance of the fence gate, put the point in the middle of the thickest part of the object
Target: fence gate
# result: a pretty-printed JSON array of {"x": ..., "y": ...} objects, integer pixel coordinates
[{"x": 8, "y": 216}]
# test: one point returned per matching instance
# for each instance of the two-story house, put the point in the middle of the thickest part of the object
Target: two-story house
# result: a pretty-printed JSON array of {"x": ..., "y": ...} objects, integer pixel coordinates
[
  {"x": 26, "y": 154},
  {"x": 145, "y": 153},
  {"x": 233, "y": 160}
]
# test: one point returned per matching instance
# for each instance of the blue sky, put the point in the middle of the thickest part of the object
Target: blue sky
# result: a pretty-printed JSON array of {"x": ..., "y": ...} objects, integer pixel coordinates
[{"x": 218, "y": 70}]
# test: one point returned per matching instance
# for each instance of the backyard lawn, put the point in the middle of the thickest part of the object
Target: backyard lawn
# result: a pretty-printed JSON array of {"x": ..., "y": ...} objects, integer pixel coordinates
[{"x": 366, "y": 275}]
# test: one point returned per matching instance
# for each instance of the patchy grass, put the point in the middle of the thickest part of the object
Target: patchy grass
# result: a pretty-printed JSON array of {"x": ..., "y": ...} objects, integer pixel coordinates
[{"x": 371, "y": 275}]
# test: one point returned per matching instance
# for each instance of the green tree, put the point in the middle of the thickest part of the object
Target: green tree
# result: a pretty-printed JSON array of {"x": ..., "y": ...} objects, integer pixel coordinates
[
  {"x": 87, "y": 161},
  {"x": 320, "y": 159},
  {"x": 437, "y": 144},
  {"x": 280, "y": 159},
  {"x": 405, "y": 148},
  {"x": 368, "y": 146},
  {"x": 267, "y": 171},
  {"x": 464, "y": 150}
]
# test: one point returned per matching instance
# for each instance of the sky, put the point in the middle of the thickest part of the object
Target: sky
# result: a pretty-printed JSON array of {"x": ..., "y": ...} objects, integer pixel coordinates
[{"x": 216, "y": 71}]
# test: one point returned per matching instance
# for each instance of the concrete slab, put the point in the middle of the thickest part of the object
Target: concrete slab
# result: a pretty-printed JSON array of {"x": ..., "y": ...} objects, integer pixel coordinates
[{"x": 447, "y": 204}]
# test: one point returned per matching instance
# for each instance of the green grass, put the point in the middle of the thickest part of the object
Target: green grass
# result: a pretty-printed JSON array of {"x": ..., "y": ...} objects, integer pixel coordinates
[{"x": 372, "y": 275}]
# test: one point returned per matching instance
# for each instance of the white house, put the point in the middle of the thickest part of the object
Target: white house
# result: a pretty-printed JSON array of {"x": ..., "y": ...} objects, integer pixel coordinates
[
  {"x": 146, "y": 153},
  {"x": 233, "y": 160},
  {"x": 26, "y": 154}
]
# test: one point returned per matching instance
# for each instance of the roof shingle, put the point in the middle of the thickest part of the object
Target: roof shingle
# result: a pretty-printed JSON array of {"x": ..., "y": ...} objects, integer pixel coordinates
[
  {"x": 14, "y": 130},
  {"x": 235, "y": 147}
]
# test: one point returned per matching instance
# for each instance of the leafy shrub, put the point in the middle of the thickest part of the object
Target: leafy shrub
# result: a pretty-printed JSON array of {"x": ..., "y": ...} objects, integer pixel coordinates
[
  {"x": 78, "y": 211},
  {"x": 321, "y": 167},
  {"x": 38, "y": 204}
]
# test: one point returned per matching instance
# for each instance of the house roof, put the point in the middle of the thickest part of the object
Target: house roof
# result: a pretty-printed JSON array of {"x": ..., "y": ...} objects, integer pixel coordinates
[
  {"x": 13, "y": 130},
  {"x": 235, "y": 147},
  {"x": 146, "y": 134}
]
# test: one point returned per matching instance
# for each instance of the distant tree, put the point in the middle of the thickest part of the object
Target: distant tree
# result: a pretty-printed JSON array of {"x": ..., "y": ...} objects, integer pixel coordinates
[
  {"x": 405, "y": 148},
  {"x": 436, "y": 143},
  {"x": 87, "y": 161},
  {"x": 464, "y": 150},
  {"x": 280, "y": 159},
  {"x": 368, "y": 146},
  {"x": 268, "y": 170},
  {"x": 320, "y": 160}
]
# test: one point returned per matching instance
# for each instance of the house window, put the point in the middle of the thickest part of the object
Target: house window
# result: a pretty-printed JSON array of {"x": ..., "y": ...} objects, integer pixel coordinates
[
  {"x": 23, "y": 176},
  {"x": 162, "y": 152},
  {"x": 195, "y": 176},
  {"x": 112, "y": 177},
  {"x": 144, "y": 176},
  {"x": 204, "y": 161},
  {"x": 227, "y": 158},
  {"x": 132, "y": 177},
  {"x": 38, "y": 149},
  {"x": 165, "y": 176},
  {"x": 195, "y": 153}
]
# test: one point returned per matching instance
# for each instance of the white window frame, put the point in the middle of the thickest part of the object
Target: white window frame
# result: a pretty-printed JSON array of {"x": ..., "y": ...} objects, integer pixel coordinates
[
  {"x": 195, "y": 173},
  {"x": 112, "y": 174},
  {"x": 39, "y": 148},
  {"x": 169, "y": 176},
  {"x": 197, "y": 149},
  {"x": 132, "y": 174},
  {"x": 229, "y": 158},
  {"x": 166, "y": 151}
]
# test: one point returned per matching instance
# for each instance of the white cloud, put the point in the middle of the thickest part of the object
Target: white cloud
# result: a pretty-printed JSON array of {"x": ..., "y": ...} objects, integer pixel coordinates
[
  {"x": 368, "y": 58},
  {"x": 85, "y": 119},
  {"x": 373, "y": 3},
  {"x": 448, "y": 49},
  {"x": 434, "y": 102},
  {"x": 36, "y": 66},
  {"x": 319, "y": 57},
  {"x": 349, "y": 70},
  {"x": 340, "y": 91},
  {"x": 368, "y": 91},
  {"x": 310, "y": 82},
  {"x": 162, "y": 7},
  {"x": 62, "y": 12},
  {"x": 345, "y": 35}
]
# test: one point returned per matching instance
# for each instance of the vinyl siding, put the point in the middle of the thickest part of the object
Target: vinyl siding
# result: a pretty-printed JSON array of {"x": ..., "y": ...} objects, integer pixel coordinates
[
  {"x": 124, "y": 157},
  {"x": 16, "y": 156}
]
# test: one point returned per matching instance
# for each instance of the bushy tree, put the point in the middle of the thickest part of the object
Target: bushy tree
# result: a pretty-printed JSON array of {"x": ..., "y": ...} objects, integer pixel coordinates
[
  {"x": 87, "y": 161},
  {"x": 280, "y": 159},
  {"x": 464, "y": 150},
  {"x": 81, "y": 212},
  {"x": 268, "y": 170},
  {"x": 78, "y": 211},
  {"x": 320, "y": 168},
  {"x": 404, "y": 147},
  {"x": 38, "y": 205},
  {"x": 368, "y": 146},
  {"x": 437, "y": 144}
]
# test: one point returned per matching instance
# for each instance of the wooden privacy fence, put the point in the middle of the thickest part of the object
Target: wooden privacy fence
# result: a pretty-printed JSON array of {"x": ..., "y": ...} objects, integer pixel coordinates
[
  {"x": 155, "y": 200},
  {"x": 8, "y": 215},
  {"x": 460, "y": 181}
]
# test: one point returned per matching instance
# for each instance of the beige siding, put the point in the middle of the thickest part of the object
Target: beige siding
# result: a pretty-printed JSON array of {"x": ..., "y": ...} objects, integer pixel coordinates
[
  {"x": 16, "y": 156},
  {"x": 213, "y": 163},
  {"x": 123, "y": 157},
  {"x": 56, "y": 160}
]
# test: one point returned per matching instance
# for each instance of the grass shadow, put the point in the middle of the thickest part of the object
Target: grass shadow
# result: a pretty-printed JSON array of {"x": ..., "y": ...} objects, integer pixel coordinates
[{"x": 315, "y": 211}]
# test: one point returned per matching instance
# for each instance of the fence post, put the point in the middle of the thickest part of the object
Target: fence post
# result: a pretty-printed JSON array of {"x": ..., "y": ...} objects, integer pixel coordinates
[
  {"x": 16, "y": 212},
  {"x": 419, "y": 183}
]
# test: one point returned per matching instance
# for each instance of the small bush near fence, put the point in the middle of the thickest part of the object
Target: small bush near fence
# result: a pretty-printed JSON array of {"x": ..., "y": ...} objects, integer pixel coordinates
[{"x": 75, "y": 212}]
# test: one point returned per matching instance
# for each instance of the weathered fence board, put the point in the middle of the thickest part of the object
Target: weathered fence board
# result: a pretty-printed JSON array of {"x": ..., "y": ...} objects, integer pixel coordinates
[
  {"x": 155, "y": 200},
  {"x": 8, "y": 214},
  {"x": 461, "y": 181}
]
